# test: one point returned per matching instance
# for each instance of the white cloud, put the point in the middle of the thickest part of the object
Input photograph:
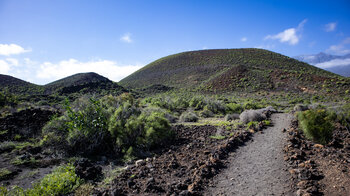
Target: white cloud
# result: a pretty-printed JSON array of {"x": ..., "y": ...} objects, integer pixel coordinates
[
  {"x": 12, "y": 61},
  {"x": 330, "y": 26},
  {"x": 267, "y": 47},
  {"x": 10, "y": 49},
  {"x": 4, "y": 67},
  {"x": 290, "y": 36},
  {"x": 244, "y": 39},
  {"x": 110, "y": 69},
  {"x": 341, "y": 48},
  {"x": 126, "y": 38},
  {"x": 334, "y": 63}
]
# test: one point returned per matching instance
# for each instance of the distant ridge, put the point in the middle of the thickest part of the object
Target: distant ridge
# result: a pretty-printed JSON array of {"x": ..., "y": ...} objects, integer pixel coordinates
[
  {"x": 78, "y": 83},
  {"x": 77, "y": 79},
  {"x": 338, "y": 64}
]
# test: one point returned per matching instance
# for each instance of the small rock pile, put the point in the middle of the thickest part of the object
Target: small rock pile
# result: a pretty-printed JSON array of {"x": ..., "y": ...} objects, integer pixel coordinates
[
  {"x": 86, "y": 170},
  {"x": 298, "y": 154}
]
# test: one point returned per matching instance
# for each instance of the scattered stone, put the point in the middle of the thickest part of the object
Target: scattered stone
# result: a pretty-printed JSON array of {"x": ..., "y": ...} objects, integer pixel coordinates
[
  {"x": 86, "y": 170},
  {"x": 139, "y": 162}
]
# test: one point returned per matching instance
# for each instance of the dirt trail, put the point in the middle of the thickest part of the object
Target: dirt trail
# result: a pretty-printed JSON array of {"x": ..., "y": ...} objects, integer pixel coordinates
[{"x": 258, "y": 167}]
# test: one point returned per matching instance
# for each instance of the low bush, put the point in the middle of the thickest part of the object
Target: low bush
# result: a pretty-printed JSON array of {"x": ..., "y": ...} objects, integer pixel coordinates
[
  {"x": 234, "y": 108},
  {"x": 188, "y": 116},
  {"x": 230, "y": 117},
  {"x": 133, "y": 129},
  {"x": 4, "y": 173},
  {"x": 215, "y": 106},
  {"x": 317, "y": 125},
  {"x": 197, "y": 102},
  {"x": 61, "y": 181},
  {"x": 206, "y": 114},
  {"x": 300, "y": 108},
  {"x": 110, "y": 124},
  {"x": 250, "y": 105},
  {"x": 252, "y": 115},
  {"x": 252, "y": 125}
]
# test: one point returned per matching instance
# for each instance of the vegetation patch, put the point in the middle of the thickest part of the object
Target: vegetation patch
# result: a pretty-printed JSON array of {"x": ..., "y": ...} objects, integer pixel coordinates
[
  {"x": 62, "y": 180},
  {"x": 4, "y": 173},
  {"x": 218, "y": 137},
  {"x": 317, "y": 125}
]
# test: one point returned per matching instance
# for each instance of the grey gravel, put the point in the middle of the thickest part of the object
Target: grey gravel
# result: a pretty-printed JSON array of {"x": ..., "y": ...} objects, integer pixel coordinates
[{"x": 258, "y": 167}]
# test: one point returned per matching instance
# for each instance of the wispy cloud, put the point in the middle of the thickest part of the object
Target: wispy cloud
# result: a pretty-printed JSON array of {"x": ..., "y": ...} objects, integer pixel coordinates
[
  {"x": 290, "y": 36},
  {"x": 111, "y": 69},
  {"x": 244, "y": 39},
  {"x": 341, "y": 48},
  {"x": 4, "y": 67},
  {"x": 13, "y": 61},
  {"x": 334, "y": 63},
  {"x": 330, "y": 26},
  {"x": 267, "y": 46},
  {"x": 11, "y": 49},
  {"x": 126, "y": 38}
]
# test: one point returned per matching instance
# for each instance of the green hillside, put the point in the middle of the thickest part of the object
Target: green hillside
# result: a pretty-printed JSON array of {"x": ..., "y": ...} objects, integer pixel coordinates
[
  {"x": 83, "y": 83},
  {"x": 227, "y": 70},
  {"x": 17, "y": 86},
  {"x": 73, "y": 86}
]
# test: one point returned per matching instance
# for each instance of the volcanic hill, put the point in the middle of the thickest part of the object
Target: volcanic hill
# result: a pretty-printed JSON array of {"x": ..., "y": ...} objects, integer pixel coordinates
[
  {"x": 239, "y": 70},
  {"x": 81, "y": 83}
]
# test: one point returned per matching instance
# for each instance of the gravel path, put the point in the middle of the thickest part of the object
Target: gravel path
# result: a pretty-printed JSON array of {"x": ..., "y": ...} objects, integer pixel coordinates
[{"x": 258, "y": 167}]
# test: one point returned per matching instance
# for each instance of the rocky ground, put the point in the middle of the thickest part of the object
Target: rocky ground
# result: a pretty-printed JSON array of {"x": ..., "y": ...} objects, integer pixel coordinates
[
  {"x": 317, "y": 169},
  {"x": 243, "y": 162},
  {"x": 184, "y": 169}
]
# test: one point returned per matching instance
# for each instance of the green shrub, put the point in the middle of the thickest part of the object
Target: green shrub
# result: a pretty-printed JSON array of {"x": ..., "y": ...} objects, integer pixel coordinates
[
  {"x": 197, "y": 102},
  {"x": 188, "y": 117},
  {"x": 206, "y": 114},
  {"x": 111, "y": 124},
  {"x": 87, "y": 121},
  {"x": 317, "y": 125},
  {"x": 4, "y": 173},
  {"x": 132, "y": 128},
  {"x": 124, "y": 126},
  {"x": 234, "y": 108},
  {"x": 61, "y": 181},
  {"x": 217, "y": 107},
  {"x": 157, "y": 129},
  {"x": 252, "y": 125},
  {"x": 266, "y": 122},
  {"x": 250, "y": 105}
]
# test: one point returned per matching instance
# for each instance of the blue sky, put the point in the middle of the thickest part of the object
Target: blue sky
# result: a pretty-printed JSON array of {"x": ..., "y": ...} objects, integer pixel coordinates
[{"x": 41, "y": 40}]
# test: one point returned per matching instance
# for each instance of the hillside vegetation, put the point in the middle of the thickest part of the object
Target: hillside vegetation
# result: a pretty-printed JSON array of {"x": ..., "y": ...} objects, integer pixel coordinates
[
  {"x": 243, "y": 70},
  {"x": 70, "y": 87}
]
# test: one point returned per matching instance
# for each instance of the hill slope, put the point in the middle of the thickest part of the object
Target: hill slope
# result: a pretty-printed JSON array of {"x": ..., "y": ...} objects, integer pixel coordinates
[
  {"x": 73, "y": 86},
  {"x": 84, "y": 83},
  {"x": 228, "y": 70},
  {"x": 18, "y": 86}
]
